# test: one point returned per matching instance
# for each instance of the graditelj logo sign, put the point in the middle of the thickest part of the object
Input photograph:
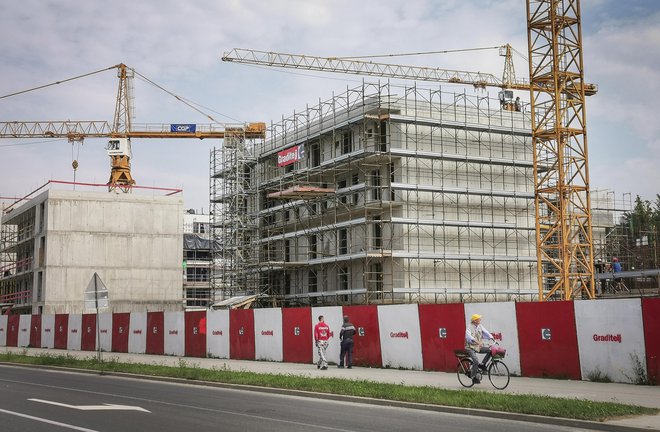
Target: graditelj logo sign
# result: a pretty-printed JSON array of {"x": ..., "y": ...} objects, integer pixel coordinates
[{"x": 290, "y": 155}]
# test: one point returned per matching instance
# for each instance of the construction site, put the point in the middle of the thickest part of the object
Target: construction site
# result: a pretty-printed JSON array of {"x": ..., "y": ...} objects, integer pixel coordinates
[
  {"x": 393, "y": 194},
  {"x": 421, "y": 192}
]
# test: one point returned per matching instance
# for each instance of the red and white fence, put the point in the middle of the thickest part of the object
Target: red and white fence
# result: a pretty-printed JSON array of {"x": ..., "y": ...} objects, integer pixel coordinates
[{"x": 589, "y": 339}]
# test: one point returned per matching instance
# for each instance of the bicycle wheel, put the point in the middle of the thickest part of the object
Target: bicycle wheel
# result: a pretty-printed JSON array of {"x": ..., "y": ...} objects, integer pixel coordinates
[
  {"x": 463, "y": 372},
  {"x": 498, "y": 374}
]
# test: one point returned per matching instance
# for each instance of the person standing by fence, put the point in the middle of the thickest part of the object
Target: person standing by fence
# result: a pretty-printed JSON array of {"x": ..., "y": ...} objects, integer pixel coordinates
[
  {"x": 321, "y": 337},
  {"x": 346, "y": 336}
]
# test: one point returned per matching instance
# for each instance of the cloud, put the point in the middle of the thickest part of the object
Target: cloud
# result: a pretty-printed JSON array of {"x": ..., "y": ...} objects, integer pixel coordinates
[
  {"x": 178, "y": 45},
  {"x": 621, "y": 56}
]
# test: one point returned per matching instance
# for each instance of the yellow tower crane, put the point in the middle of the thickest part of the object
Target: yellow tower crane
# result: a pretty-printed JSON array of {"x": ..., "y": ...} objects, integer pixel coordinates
[
  {"x": 557, "y": 90},
  {"x": 122, "y": 129}
]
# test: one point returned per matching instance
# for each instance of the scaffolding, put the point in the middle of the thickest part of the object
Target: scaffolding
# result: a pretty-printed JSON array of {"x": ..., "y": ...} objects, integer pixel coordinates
[
  {"x": 615, "y": 237},
  {"x": 196, "y": 263},
  {"x": 18, "y": 260},
  {"x": 234, "y": 223},
  {"x": 394, "y": 194}
]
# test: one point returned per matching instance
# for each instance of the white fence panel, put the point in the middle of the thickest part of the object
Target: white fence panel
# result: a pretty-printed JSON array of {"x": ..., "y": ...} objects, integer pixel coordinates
[
  {"x": 137, "y": 336},
  {"x": 74, "y": 339},
  {"x": 334, "y": 318},
  {"x": 610, "y": 339},
  {"x": 400, "y": 336},
  {"x": 500, "y": 320},
  {"x": 4, "y": 319},
  {"x": 24, "y": 326},
  {"x": 105, "y": 332},
  {"x": 174, "y": 343},
  {"x": 217, "y": 333},
  {"x": 47, "y": 331},
  {"x": 268, "y": 334}
]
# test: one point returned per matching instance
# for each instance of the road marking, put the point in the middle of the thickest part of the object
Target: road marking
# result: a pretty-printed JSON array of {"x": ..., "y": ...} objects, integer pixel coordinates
[
  {"x": 43, "y": 420},
  {"x": 192, "y": 407},
  {"x": 104, "y": 407}
]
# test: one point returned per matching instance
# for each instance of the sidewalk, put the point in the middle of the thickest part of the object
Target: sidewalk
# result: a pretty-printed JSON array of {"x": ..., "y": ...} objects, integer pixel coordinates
[{"x": 605, "y": 392}]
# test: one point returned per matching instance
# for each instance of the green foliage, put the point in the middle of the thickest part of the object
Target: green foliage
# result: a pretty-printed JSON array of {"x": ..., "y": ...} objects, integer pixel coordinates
[
  {"x": 645, "y": 217},
  {"x": 639, "y": 375},
  {"x": 518, "y": 403},
  {"x": 597, "y": 375}
]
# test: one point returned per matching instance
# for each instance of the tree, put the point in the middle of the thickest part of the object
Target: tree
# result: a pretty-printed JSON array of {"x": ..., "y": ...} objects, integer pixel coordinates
[
  {"x": 642, "y": 225},
  {"x": 640, "y": 219}
]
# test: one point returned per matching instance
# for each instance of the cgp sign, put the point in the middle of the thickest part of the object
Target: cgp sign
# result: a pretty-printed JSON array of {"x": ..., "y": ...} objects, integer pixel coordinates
[
  {"x": 183, "y": 128},
  {"x": 290, "y": 155}
]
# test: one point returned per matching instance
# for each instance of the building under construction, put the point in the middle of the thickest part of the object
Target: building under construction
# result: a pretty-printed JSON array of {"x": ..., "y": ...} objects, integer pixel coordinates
[{"x": 380, "y": 194}]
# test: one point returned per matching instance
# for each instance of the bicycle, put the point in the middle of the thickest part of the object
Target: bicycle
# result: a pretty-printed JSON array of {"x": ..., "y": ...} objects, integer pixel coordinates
[{"x": 498, "y": 372}]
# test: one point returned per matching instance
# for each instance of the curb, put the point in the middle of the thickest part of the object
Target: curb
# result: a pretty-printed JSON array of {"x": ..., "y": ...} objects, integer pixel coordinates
[{"x": 528, "y": 418}]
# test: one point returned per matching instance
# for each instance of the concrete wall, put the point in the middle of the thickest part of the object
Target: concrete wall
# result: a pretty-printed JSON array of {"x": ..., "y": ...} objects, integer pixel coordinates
[{"x": 133, "y": 242}]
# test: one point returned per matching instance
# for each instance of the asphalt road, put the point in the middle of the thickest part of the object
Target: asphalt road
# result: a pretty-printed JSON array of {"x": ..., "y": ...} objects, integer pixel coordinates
[{"x": 46, "y": 400}]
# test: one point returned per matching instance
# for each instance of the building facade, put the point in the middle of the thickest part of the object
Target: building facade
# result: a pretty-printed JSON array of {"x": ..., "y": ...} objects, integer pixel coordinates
[
  {"x": 381, "y": 194},
  {"x": 54, "y": 243}
]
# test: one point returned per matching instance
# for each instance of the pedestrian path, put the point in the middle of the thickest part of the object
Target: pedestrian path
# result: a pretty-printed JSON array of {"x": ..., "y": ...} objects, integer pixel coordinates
[{"x": 648, "y": 396}]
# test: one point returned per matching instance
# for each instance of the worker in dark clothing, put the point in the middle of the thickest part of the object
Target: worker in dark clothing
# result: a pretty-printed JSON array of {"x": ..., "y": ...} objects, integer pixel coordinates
[{"x": 346, "y": 336}]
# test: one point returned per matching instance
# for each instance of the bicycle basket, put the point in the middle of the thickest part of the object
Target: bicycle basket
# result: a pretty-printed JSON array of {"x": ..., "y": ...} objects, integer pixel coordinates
[{"x": 497, "y": 352}]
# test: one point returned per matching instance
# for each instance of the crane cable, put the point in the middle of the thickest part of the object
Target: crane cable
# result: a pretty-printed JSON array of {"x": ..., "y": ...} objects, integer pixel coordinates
[
  {"x": 415, "y": 53},
  {"x": 58, "y": 82},
  {"x": 181, "y": 99}
]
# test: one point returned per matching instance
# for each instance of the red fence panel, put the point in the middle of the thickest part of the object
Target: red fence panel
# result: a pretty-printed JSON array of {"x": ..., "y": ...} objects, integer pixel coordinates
[
  {"x": 442, "y": 327},
  {"x": 120, "y": 326},
  {"x": 88, "y": 338},
  {"x": 366, "y": 351},
  {"x": 195, "y": 334},
  {"x": 651, "y": 316},
  {"x": 297, "y": 335},
  {"x": 155, "y": 333},
  {"x": 35, "y": 334},
  {"x": 61, "y": 331},
  {"x": 241, "y": 334},
  {"x": 548, "y": 340},
  {"x": 13, "y": 323}
]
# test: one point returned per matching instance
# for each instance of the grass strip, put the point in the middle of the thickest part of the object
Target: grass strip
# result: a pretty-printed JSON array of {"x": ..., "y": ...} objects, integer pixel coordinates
[{"x": 524, "y": 404}]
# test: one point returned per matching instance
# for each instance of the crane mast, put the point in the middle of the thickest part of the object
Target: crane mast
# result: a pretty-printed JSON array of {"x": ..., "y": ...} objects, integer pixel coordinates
[
  {"x": 120, "y": 150},
  {"x": 559, "y": 134}
]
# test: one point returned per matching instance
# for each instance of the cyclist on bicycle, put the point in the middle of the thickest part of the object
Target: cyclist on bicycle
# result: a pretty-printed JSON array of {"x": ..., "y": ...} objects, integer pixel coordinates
[{"x": 475, "y": 335}]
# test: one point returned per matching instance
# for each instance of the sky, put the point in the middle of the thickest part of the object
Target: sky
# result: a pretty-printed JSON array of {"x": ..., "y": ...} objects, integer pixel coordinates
[{"x": 178, "y": 45}]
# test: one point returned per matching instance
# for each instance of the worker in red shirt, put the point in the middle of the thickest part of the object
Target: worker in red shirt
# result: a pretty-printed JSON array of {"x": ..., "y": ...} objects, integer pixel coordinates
[{"x": 321, "y": 336}]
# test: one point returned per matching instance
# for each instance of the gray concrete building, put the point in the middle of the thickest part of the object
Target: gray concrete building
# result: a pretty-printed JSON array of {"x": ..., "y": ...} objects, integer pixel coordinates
[{"x": 54, "y": 243}]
